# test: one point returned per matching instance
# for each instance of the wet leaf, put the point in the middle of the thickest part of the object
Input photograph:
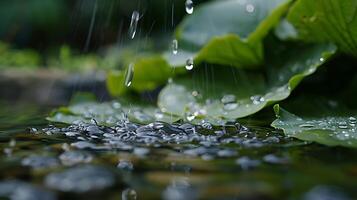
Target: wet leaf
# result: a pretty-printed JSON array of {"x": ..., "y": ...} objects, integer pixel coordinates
[
  {"x": 149, "y": 73},
  {"x": 109, "y": 114},
  {"x": 218, "y": 94},
  {"x": 233, "y": 37},
  {"x": 230, "y": 32},
  {"x": 327, "y": 21},
  {"x": 331, "y": 131}
]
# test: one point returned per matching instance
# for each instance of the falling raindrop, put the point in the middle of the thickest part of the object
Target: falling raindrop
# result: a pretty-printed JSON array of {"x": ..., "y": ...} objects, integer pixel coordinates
[
  {"x": 250, "y": 8},
  {"x": 129, "y": 74},
  {"x": 189, "y": 7},
  {"x": 174, "y": 46},
  {"x": 134, "y": 24},
  {"x": 189, "y": 64}
]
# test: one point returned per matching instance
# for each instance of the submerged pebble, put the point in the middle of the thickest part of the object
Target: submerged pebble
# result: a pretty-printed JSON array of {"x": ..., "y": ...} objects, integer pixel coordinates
[
  {"x": 273, "y": 159},
  {"x": 80, "y": 179},
  {"x": 179, "y": 189},
  {"x": 70, "y": 158},
  {"x": 323, "y": 192},
  {"x": 247, "y": 163},
  {"x": 19, "y": 190},
  {"x": 39, "y": 162}
]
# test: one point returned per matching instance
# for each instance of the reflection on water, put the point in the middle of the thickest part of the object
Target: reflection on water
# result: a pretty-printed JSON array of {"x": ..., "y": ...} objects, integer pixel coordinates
[{"x": 163, "y": 161}]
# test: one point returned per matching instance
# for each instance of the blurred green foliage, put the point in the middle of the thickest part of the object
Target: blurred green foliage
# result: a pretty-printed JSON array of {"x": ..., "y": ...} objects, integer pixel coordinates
[{"x": 18, "y": 58}]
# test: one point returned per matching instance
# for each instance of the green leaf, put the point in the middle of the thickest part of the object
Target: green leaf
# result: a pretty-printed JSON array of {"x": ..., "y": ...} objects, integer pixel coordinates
[
  {"x": 109, "y": 114},
  {"x": 200, "y": 97},
  {"x": 149, "y": 73},
  {"x": 327, "y": 21},
  {"x": 230, "y": 32},
  {"x": 331, "y": 131},
  {"x": 233, "y": 37}
]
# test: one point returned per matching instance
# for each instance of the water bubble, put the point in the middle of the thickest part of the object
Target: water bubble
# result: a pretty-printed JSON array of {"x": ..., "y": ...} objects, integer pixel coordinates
[
  {"x": 189, "y": 64},
  {"x": 257, "y": 99},
  {"x": 125, "y": 165},
  {"x": 174, "y": 46},
  {"x": 129, "y": 74},
  {"x": 189, "y": 7},
  {"x": 322, "y": 59},
  {"x": 342, "y": 125},
  {"x": 116, "y": 105},
  {"x": 159, "y": 115},
  {"x": 129, "y": 194},
  {"x": 352, "y": 120},
  {"x": 250, "y": 8},
  {"x": 134, "y": 24}
]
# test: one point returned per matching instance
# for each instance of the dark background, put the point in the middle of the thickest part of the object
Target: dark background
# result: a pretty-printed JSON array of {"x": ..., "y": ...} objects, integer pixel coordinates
[{"x": 46, "y": 24}]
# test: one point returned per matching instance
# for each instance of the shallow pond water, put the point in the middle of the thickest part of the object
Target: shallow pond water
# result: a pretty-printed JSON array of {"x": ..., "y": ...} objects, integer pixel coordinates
[{"x": 163, "y": 161}]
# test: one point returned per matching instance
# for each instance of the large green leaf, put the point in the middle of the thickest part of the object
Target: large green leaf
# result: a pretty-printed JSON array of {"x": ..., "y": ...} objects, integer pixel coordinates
[
  {"x": 327, "y": 20},
  {"x": 233, "y": 37},
  {"x": 331, "y": 131},
  {"x": 229, "y": 32},
  {"x": 149, "y": 73},
  {"x": 220, "y": 93}
]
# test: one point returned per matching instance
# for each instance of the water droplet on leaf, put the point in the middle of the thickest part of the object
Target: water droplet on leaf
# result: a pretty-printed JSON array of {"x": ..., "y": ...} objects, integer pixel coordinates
[
  {"x": 257, "y": 99},
  {"x": 189, "y": 64},
  {"x": 230, "y": 98},
  {"x": 250, "y": 8},
  {"x": 306, "y": 126},
  {"x": 174, "y": 46}
]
